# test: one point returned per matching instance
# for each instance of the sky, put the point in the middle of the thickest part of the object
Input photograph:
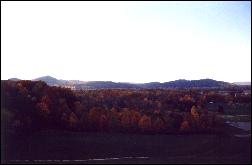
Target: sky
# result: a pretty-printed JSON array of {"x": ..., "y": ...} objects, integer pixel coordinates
[{"x": 152, "y": 41}]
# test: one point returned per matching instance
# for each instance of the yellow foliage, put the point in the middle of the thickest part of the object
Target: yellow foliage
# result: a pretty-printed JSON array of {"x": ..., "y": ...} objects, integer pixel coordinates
[{"x": 194, "y": 113}]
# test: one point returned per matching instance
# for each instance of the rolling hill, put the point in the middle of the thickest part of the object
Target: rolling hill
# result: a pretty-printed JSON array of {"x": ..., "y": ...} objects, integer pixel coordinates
[{"x": 182, "y": 83}]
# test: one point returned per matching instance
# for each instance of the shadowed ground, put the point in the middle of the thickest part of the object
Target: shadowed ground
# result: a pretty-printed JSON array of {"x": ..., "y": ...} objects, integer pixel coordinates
[{"x": 64, "y": 147}]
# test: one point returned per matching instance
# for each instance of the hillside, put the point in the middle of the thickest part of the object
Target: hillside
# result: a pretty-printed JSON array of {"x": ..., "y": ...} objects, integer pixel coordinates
[
  {"x": 196, "y": 83},
  {"x": 242, "y": 83},
  {"x": 49, "y": 80},
  {"x": 14, "y": 79},
  {"x": 182, "y": 83}
]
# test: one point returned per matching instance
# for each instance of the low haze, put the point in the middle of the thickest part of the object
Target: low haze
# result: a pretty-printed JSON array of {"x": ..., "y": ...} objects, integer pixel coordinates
[{"x": 126, "y": 41}]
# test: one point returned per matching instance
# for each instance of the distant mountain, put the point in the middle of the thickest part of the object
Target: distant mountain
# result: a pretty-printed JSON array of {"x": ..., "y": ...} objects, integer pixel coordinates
[
  {"x": 186, "y": 84},
  {"x": 151, "y": 85},
  {"x": 14, "y": 79},
  {"x": 242, "y": 83},
  {"x": 104, "y": 84},
  {"x": 77, "y": 84},
  {"x": 196, "y": 83},
  {"x": 49, "y": 80}
]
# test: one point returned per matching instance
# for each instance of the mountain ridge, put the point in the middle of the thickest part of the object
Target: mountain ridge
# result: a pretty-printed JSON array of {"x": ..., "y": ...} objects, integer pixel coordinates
[
  {"x": 242, "y": 83},
  {"x": 180, "y": 83}
]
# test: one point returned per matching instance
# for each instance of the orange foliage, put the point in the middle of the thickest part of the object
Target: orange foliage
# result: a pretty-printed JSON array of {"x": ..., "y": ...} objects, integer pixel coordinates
[
  {"x": 103, "y": 124},
  {"x": 185, "y": 126},
  {"x": 94, "y": 117},
  {"x": 135, "y": 118},
  {"x": 125, "y": 118},
  {"x": 158, "y": 124},
  {"x": 79, "y": 108},
  {"x": 43, "y": 109},
  {"x": 145, "y": 123},
  {"x": 73, "y": 120},
  {"x": 194, "y": 113}
]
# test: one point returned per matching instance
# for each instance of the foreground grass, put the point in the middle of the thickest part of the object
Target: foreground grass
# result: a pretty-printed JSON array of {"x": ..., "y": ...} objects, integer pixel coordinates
[{"x": 64, "y": 147}]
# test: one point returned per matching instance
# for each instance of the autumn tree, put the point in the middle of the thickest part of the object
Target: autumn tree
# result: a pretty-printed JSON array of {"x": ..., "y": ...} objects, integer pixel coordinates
[
  {"x": 145, "y": 123},
  {"x": 114, "y": 120},
  {"x": 135, "y": 117},
  {"x": 73, "y": 120},
  {"x": 194, "y": 113},
  {"x": 78, "y": 108},
  {"x": 185, "y": 126},
  {"x": 94, "y": 118},
  {"x": 158, "y": 124},
  {"x": 103, "y": 123},
  {"x": 125, "y": 118},
  {"x": 43, "y": 109}
]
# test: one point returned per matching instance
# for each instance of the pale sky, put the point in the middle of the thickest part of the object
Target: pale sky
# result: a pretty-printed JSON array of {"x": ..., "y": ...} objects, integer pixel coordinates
[{"x": 126, "y": 41}]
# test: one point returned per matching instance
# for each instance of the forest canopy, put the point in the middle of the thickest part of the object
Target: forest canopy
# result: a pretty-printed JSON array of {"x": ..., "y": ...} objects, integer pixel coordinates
[{"x": 28, "y": 106}]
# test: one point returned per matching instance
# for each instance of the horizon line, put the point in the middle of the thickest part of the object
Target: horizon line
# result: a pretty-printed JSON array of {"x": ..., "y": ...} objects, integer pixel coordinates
[{"x": 129, "y": 81}]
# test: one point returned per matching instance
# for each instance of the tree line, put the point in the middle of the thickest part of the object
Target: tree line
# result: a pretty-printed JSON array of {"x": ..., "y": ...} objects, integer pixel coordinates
[{"x": 28, "y": 106}]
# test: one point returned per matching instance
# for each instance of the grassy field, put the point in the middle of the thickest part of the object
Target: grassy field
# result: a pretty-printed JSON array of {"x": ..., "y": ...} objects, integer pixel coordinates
[{"x": 64, "y": 147}]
